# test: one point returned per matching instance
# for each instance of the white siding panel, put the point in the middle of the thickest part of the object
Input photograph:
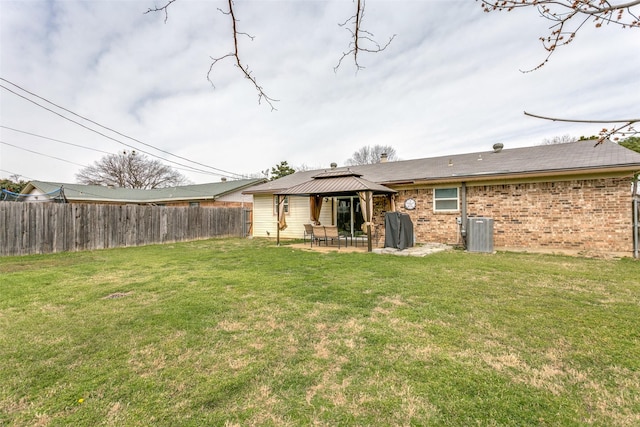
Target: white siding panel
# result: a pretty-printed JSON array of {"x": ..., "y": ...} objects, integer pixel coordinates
[{"x": 265, "y": 221}]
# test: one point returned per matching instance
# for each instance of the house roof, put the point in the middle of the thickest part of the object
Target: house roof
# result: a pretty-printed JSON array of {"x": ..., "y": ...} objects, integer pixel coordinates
[
  {"x": 77, "y": 192},
  {"x": 335, "y": 182},
  {"x": 543, "y": 160}
]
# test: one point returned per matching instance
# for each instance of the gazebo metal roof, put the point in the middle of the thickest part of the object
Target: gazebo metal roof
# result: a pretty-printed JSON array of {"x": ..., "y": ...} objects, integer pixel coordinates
[{"x": 335, "y": 183}]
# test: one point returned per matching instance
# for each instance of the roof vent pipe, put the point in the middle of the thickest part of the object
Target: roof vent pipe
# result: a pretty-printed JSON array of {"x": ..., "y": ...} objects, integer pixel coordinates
[
  {"x": 497, "y": 147},
  {"x": 223, "y": 179}
]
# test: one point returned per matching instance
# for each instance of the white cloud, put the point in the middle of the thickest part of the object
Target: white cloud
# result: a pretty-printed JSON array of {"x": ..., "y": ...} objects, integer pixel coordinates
[{"x": 448, "y": 83}]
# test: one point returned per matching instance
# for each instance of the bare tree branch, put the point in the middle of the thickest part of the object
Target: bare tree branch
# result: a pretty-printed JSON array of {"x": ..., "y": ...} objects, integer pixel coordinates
[
  {"x": 569, "y": 16},
  {"x": 162, "y": 9},
  {"x": 362, "y": 40},
  {"x": 235, "y": 54},
  {"x": 622, "y": 127}
]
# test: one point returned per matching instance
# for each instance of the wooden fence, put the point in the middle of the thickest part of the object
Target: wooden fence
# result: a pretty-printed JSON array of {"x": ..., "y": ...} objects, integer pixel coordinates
[{"x": 38, "y": 228}]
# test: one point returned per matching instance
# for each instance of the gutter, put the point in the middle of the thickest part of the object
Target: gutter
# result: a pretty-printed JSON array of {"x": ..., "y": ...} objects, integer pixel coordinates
[{"x": 503, "y": 175}]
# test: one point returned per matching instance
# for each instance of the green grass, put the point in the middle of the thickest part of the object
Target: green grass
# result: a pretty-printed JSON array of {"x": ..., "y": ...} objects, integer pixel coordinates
[{"x": 241, "y": 332}]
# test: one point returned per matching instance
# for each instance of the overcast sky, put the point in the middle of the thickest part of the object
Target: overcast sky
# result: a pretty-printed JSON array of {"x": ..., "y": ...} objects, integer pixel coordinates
[{"x": 449, "y": 83}]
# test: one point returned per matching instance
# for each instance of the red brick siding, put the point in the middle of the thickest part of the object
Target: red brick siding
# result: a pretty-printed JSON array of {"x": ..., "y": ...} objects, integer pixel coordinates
[{"x": 585, "y": 215}]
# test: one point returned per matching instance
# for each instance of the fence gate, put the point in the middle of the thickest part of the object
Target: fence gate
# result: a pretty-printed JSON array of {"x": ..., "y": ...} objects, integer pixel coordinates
[{"x": 247, "y": 216}]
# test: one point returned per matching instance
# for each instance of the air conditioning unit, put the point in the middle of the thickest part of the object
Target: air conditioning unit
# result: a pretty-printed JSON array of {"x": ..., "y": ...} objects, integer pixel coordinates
[{"x": 480, "y": 234}]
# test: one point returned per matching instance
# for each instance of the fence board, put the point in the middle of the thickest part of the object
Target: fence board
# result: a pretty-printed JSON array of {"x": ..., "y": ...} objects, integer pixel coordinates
[{"x": 33, "y": 228}]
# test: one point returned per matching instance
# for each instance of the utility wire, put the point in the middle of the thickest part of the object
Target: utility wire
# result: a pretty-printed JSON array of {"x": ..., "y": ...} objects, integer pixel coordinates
[
  {"x": 42, "y": 154},
  {"x": 82, "y": 146},
  {"x": 230, "y": 174},
  {"x": 11, "y": 174},
  {"x": 56, "y": 140},
  {"x": 106, "y": 136}
]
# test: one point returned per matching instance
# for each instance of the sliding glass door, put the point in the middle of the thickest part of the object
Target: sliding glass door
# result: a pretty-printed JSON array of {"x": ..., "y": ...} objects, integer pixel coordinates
[{"x": 348, "y": 216}]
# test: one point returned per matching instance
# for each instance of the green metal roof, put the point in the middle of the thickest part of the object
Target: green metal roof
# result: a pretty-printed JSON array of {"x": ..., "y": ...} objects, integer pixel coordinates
[{"x": 99, "y": 193}]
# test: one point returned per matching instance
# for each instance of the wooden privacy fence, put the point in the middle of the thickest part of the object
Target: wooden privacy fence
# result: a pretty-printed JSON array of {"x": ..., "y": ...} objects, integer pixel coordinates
[{"x": 38, "y": 228}]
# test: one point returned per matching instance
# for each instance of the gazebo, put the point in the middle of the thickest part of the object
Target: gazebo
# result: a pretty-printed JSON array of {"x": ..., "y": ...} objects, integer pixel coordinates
[{"x": 333, "y": 184}]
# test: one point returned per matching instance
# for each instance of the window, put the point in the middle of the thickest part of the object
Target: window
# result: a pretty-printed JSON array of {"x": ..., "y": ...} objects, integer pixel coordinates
[
  {"x": 445, "y": 199},
  {"x": 275, "y": 204}
]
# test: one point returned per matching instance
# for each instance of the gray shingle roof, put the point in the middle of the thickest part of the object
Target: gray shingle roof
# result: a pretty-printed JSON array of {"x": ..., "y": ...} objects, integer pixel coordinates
[{"x": 571, "y": 158}]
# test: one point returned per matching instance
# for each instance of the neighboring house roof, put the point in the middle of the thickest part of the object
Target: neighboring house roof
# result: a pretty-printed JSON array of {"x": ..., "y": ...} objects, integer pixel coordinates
[
  {"x": 543, "y": 160},
  {"x": 99, "y": 193}
]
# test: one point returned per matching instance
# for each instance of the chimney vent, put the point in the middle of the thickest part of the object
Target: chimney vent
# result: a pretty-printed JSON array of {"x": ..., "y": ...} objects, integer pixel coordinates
[
  {"x": 497, "y": 147},
  {"x": 383, "y": 158},
  {"x": 223, "y": 179},
  {"x": 334, "y": 165}
]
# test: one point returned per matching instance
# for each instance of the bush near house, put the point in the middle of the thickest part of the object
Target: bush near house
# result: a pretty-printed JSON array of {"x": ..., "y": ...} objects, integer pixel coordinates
[{"x": 241, "y": 332}]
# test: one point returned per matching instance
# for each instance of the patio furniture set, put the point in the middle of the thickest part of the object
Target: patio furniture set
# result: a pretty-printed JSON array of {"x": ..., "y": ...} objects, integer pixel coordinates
[{"x": 329, "y": 235}]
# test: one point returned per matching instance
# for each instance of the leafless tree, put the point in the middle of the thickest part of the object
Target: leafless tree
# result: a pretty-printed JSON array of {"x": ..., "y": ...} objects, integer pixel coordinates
[
  {"x": 369, "y": 155},
  {"x": 567, "y": 18},
  {"x": 559, "y": 140},
  {"x": 130, "y": 170}
]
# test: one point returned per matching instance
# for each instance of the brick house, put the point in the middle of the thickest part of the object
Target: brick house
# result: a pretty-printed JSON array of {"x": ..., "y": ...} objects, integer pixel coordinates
[{"x": 567, "y": 197}]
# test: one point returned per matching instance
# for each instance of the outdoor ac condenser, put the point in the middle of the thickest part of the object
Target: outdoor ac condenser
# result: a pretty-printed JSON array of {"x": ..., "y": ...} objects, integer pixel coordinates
[{"x": 480, "y": 234}]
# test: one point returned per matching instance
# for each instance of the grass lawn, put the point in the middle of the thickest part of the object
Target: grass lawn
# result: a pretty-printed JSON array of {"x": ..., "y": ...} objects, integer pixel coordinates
[{"x": 240, "y": 332}]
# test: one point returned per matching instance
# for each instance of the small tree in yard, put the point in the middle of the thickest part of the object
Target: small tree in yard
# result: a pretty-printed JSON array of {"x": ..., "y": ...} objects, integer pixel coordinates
[
  {"x": 130, "y": 170},
  {"x": 280, "y": 170},
  {"x": 14, "y": 184}
]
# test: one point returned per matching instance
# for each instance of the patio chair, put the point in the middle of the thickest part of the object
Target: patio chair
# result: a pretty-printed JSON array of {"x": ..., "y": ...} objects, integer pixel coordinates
[
  {"x": 308, "y": 232},
  {"x": 318, "y": 234},
  {"x": 331, "y": 234}
]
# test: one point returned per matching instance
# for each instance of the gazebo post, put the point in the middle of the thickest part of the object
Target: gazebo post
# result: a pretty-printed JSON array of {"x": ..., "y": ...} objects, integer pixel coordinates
[
  {"x": 368, "y": 197},
  {"x": 278, "y": 222}
]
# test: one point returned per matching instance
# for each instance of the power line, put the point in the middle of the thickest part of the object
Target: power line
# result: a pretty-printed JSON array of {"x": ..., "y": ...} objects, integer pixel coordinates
[
  {"x": 224, "y": 172},
  {"x": 82, "y": 146},
  {"x": 11, "y": 174},
  {"x": 106, "y": 136},
  {"x": 42, "y": 154},
  {"x": 53, "y": 139}
]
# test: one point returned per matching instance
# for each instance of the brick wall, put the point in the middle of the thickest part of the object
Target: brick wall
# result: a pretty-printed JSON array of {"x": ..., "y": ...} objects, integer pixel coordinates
[{"x": 582, "y": 215}]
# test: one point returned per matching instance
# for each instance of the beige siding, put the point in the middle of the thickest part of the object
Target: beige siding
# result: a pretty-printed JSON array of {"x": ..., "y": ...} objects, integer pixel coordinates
[{"x": 265, "y": 220}]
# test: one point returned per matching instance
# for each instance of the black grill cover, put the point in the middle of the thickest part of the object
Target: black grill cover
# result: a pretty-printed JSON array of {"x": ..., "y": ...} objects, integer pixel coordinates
[{"x": 398, "y": 230}]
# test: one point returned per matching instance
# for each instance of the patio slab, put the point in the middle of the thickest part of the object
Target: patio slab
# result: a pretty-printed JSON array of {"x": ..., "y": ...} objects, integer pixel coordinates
[{"x": 418, "y": 250}]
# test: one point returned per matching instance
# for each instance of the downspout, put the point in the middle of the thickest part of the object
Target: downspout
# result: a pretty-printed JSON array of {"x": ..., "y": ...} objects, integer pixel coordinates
[{"x": 463, "y": 214}]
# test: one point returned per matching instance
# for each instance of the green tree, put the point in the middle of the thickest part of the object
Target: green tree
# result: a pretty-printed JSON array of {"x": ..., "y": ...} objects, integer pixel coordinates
[
  {"x": 632, "y": 143},
  {"x": 130, "y": 170},
  {"x": 280, "y": 170},
  {"x": 14, "y": 184}
]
